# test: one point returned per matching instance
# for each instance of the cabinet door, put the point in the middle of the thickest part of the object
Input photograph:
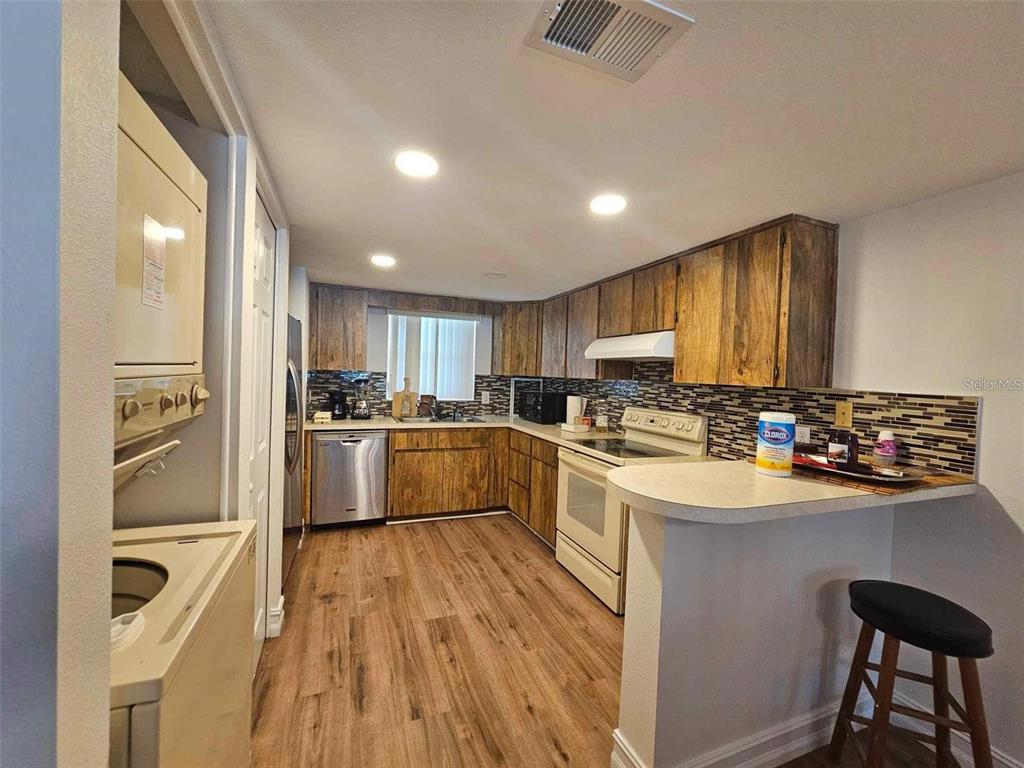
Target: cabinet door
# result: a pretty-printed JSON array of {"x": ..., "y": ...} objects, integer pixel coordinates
[
  {"x": 467, "y": 479},
  {"x": 808, "y": 305},
  {"x": 615, "y": 315},
  {"x": 654, "y": 298},
  {"x": 750, "y": 309},
  {"x": 520, "y": 342},
  {"x": 699, "y": 330},
  {"x": 519, "y": 468},
  {"x": 543, "y": 499},
  {"x": 553, "y": 330},
  {"x": 519, "y": 501},
  {"x": 416, "y": 483},
  {"x": 581, "y": 329},
  {"x": 338, "y": 337},
  {"x": 499, "y": 467}
]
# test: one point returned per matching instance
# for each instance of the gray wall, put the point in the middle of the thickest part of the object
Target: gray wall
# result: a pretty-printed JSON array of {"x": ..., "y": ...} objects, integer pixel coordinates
[{"x": 949, "y": 271}]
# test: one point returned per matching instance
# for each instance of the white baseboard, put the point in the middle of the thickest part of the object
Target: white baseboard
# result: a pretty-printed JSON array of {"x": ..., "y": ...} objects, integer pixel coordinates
[
  {"x": 442, "y": 518},
  {"x": 961, "y": 746},
  {"x": 275, "y": 620},
  {"x": 623, "y": 755},
  {"x": 765, "y": 749}
]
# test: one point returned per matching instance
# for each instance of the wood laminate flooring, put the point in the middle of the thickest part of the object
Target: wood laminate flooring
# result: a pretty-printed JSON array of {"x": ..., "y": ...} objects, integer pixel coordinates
[
  {"x": 454, "y": 642},
  {"x": 900, "y": 752}
]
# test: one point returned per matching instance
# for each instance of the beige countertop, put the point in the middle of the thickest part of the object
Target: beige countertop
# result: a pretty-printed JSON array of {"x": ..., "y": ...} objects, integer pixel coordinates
[
  {"x": 733, "y": 492},
  {"x": 550, "y": 432}
]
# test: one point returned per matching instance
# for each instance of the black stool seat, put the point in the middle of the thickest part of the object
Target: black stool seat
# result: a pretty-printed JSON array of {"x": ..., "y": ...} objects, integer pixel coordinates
[{"x": 921, "y": 618}]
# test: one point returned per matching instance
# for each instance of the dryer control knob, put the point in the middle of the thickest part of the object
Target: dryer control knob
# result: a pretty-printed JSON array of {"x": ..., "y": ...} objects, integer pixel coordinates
[
  {"x": 181, "y": 399},
  {"x": 166, "y": 402},
  {"x": 131, "y": 407},
  {"x": 199, "y": 395}
]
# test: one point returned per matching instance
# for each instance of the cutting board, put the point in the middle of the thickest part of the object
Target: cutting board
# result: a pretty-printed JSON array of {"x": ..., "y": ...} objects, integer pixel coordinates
[{"x": 403, "y": 402}]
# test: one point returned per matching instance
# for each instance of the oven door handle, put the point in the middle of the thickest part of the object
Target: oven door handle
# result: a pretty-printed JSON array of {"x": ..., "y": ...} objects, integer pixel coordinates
[{"x": 579, "y": 463}]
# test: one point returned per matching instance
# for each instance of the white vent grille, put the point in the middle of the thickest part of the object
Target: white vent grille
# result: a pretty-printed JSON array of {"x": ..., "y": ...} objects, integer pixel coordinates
[{"x": 622, "y": 39}]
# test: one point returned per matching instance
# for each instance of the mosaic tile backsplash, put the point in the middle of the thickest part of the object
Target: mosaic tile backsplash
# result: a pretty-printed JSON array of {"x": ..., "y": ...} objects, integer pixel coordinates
[{"x": 936, "y": 431}]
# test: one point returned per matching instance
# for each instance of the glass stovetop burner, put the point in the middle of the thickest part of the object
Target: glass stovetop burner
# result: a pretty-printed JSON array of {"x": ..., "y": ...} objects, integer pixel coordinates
[{"x": 627, "y": 449}]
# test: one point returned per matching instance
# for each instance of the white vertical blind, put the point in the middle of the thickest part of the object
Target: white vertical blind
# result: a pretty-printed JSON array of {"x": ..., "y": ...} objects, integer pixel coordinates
[{"x": 436, "y": 353}]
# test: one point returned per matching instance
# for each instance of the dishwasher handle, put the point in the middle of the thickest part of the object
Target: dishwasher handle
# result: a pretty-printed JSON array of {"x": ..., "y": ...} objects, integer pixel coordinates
[{"x": 349, "y": 438}]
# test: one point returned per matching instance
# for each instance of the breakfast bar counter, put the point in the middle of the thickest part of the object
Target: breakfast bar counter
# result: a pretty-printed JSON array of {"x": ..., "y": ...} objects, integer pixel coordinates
[
  {"x": 738, "y": 634},
  {"x": 733, "y": 492}
]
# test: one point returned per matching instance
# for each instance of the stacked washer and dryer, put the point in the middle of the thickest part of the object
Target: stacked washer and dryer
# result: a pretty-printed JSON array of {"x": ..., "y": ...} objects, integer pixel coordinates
[{"x": 183, "y": 595}]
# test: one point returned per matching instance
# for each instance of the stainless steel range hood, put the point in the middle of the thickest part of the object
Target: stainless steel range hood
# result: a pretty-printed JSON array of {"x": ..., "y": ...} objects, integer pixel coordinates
[{"x": 639, "y": 346}]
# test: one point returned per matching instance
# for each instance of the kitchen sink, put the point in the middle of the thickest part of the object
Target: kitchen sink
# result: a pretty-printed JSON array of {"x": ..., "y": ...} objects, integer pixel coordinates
[
  {"x": 135, "y": 583},
  {"x": 441, "y": 420}
]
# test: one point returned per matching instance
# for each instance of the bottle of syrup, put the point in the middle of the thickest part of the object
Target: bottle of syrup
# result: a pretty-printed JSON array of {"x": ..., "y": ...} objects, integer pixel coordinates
[{"x": 843, "y": 448}]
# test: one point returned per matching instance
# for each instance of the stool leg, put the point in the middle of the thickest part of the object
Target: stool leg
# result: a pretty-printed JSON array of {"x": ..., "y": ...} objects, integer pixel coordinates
[
  {"x": 940, "y": 685},
  {"x": 883, "y": 702},
  {"x": 980, "y": 746},
  {"x": 853, "y": 682}
]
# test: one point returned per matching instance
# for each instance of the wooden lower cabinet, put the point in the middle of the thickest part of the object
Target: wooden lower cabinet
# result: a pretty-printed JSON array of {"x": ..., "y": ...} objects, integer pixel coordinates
[
  {"x": 467, "y": 479},
  {"x": 533, "y": 484},
  {"x": 447, "y": 470},
  {"x": 543, "y": 499},
  {"x": 519, "y": 501},
  {"x": 416, "y": 484}
]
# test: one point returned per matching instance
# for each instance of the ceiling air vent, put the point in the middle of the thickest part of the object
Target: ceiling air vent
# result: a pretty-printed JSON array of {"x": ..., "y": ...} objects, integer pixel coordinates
[{"x": 622, "y": 39}]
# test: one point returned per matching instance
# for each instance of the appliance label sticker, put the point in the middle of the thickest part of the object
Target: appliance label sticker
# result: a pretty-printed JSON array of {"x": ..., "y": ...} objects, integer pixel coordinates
[{"x": 154, "y": 247}]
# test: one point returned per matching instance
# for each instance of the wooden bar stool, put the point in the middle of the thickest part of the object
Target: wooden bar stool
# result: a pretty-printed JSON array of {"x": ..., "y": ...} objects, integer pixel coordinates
[{"x": 910, "y": 615}]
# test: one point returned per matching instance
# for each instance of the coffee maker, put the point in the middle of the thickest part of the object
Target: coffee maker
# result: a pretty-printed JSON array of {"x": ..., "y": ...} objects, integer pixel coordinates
[
  {"x": 361, "y": 404},
  {"x": 339, "y": 405}
]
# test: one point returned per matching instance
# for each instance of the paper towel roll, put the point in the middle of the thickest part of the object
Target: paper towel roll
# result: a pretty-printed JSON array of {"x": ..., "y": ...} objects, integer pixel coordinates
[{"x": 574, "y": 406}]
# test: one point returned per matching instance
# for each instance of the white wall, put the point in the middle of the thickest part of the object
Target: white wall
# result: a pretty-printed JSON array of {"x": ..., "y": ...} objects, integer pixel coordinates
[
  {"x": 59, "y": 126},
  {"x": 930, "y": 297},
  {"x": 197, "y": 465},
  {"x": 298, "y": 307}
]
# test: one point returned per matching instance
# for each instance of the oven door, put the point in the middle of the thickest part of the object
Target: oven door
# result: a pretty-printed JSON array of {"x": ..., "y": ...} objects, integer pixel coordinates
[{"x": 586, "y": 513}]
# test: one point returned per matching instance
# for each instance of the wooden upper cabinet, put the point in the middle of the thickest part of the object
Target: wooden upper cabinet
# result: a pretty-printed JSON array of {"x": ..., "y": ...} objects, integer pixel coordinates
[
  {"x": 583, "y": 307},
  {"x": 615, "y": 314},
  {"x": 581, "y": 329},
  {"x": 520, "y": 339},
  {"x": 759, "y": 310},
  {"x": 750, "y": 308},
  {"x": 553, "y": 337},
  {"x": 337, "y": 329},
  {"x": 699, "y": 331},
  {"x": 654, "y": 298},
  {"x": 808, "y": 305}
]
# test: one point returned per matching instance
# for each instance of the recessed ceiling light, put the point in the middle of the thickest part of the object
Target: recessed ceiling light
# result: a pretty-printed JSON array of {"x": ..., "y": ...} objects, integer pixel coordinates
[
  {"x": 608, "y": 204},
  {"x": 382, "y": 260},
  {"x": 414, "y": 163},
  {"x": 495, "y": 275}
]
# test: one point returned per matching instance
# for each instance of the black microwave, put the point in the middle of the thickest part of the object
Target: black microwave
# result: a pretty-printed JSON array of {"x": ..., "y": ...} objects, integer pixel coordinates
[{"x": 542, "y": 407}]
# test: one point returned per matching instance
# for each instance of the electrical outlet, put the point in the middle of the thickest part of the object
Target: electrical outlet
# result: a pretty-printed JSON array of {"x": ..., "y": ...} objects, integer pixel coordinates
[
  {"x": 485, "y": 397},
  {"x": 803, "y": 434},
  {"x": 844, "y": 414}
]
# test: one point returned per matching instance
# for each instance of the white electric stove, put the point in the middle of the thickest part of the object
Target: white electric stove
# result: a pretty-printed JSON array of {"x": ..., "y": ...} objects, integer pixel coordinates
[{"x": 591, "y": 542}]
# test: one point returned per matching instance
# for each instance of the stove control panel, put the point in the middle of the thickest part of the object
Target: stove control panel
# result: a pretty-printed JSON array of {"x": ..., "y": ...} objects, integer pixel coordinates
[{"x": 674, "y": 424}]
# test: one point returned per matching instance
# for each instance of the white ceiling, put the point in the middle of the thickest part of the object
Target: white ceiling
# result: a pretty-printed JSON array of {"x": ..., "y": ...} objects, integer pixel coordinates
[{"x": 834, "y": 110}]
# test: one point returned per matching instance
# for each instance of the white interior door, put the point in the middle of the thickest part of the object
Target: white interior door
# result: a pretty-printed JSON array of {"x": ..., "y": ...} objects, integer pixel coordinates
[{"x": 264, "y": 268}]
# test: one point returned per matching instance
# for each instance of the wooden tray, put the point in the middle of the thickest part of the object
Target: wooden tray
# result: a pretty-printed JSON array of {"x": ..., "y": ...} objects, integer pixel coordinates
[{"x": 874, "y": 474}]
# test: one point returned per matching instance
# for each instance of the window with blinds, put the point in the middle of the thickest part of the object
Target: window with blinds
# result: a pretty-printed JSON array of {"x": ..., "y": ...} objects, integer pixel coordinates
[{"x": 437, "y": 353}]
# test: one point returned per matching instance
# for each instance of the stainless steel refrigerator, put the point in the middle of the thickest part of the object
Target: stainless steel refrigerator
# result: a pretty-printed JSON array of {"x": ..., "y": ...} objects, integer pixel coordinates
[{"x": 294, "y": 418}]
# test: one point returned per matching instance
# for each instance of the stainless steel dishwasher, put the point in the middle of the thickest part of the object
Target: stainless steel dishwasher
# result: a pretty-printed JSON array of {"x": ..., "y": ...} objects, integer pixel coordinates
[{"x": 350, "y": 477}]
